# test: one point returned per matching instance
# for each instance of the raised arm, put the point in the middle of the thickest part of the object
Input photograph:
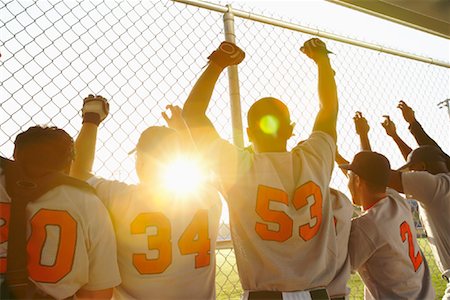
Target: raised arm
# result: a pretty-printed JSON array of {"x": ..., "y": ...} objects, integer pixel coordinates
[
  {"x": 362, "y": 129},
  {"x": 327, "y": 116},
  {"x": 177, "y": 122},
  {"x": 415, "y": 128},
  {"x": 194, "y": 109},
  {"x": 95, "y": 109},
  {"x": 391, "y": 131}
]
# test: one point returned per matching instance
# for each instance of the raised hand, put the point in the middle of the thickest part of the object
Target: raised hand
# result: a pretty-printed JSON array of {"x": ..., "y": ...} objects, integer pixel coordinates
[
  {"x": 176, "y": 120},
  {"x": 407, "y": 112},
  {"x": 95, "y": 109},
  {"x": 227, "y": 54},
  {"x": 389, "y": 126},
  {"x": 315, "y": 49},
  {"x": 361, "y": 125}
]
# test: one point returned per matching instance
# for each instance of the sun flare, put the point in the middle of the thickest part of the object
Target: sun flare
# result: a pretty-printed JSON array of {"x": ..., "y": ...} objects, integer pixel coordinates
[{"x": 184, "y": 176}]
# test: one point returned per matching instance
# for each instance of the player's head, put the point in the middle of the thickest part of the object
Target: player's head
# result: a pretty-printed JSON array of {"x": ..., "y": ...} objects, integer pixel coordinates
[
  {"x": 157, "y": 145},
  {"x": 426, "y": 158},
  {"x": 368, "y": 175},
  {"x": 43, "y": 149},
  {"x": 269, "y": 124}
]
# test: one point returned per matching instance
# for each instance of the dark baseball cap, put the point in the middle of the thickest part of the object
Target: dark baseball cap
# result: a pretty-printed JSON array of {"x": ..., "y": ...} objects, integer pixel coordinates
[
  {"x": 156, "y": 137},
  {"x": 370, "y": 166},
  {"x": 424, "y": 154}
]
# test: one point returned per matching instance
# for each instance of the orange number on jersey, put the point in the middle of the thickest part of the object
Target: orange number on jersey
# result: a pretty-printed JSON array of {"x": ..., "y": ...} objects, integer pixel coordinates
[
  {"x": 160, "y": 242},
  {"x": 4, "y": 221},
  {"x": 309, "y": 189},
  {"x": 66, "y": 246},
  {"x": 415, "y": 259},
  {"x": 195, "y": 239},
  {"x": 285, "y": 223}
]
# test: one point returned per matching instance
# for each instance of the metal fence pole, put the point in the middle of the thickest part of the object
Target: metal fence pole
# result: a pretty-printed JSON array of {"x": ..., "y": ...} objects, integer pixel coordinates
[{"x": 233, "y": 81}]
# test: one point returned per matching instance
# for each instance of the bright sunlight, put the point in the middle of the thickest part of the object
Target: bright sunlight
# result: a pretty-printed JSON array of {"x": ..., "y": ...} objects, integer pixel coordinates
[{"x": 183, "y": 176}]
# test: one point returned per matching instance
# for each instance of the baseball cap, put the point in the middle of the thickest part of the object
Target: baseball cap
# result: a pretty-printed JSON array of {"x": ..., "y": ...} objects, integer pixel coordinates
[
  {"x": 370, "y": 166},
  {"x": 425, "y": 154},
  {"x": 154, "y": 137}
]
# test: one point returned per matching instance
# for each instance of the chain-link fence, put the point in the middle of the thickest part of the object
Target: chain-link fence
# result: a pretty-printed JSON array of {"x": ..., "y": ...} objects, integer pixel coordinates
[{"x": 143, "y": 55}]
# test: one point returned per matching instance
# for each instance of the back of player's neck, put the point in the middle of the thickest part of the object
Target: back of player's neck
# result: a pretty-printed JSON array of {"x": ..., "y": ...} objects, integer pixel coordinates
[
  {"x": 372, "y": 199},
  {"x": 270, "y": 148}
]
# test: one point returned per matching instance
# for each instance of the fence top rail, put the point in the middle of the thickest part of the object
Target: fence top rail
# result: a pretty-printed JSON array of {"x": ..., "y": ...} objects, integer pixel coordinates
[{"x": 299, "y": 28}]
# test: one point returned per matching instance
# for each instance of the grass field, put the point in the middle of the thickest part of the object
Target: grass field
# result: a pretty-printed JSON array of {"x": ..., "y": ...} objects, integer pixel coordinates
[{"x": 228, "y": 286}]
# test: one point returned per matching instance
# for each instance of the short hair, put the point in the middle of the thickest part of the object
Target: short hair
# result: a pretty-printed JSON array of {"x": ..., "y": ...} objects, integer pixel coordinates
[
  {"x": 271, "y": 109},
  {"x": 43, "y": 147}
]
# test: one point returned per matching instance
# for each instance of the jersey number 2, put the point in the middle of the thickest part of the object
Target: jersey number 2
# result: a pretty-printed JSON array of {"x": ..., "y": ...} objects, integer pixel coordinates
[
  {"x": 415, "y": 259},
  {"x": 194, "y": 240},
  {"x": 285, "y": 223}
]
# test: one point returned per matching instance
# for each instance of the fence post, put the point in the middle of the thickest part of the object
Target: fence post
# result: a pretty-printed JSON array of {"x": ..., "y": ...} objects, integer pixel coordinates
[{"x": 233, "y": 82}]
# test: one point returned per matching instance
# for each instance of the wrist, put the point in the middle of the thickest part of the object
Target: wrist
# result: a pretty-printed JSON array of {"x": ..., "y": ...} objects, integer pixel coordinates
[
  {"x": 323, "y": 60},
  {"x": 92, "y": 118},
  {"x": 216, "y": 66},
  {"x": 394, "y": 135}
]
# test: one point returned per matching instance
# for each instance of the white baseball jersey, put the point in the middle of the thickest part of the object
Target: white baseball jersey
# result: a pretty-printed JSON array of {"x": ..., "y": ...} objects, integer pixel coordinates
[
  {"x": 166, "y": 245},
  {"x": 71, "y": 243},
  {"x": 342, "y": 212},
  {"x": 433, "y": 194},
  {"x": 383, "y": 248},
  {"x": 280, "y": 213}
]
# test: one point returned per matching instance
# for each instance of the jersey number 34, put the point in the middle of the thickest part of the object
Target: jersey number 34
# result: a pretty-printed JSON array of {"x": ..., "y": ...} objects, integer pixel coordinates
[{"x": 194, "y": 240}]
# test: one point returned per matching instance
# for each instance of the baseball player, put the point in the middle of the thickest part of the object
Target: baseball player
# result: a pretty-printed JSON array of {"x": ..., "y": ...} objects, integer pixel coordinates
[
  {"x": 429, "y": 184},
  {"x": 383, "y": 247},
  {"x": 280, "y": 211},
  {"x": 166, "y": 240},
  {"x": 70, "y": 248},
  {"x": 343, "y": 212}
]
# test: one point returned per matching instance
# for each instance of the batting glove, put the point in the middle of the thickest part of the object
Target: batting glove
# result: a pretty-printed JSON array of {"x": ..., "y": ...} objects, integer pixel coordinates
[
  {"x": 228, "y": 54},
  {"x": 95, "y": 109}
]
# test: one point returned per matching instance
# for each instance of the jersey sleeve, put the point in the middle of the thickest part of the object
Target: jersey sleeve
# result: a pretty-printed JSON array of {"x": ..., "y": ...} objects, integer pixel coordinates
[
  {"x": 227, "y": 162},
  {"x": 107, "y": 189},
  {"x": 102, "y": 252},
  {"x": 424, "y": 187},
  {"x": 321, "y": 147},
  {"x": 360, "y": 245}
]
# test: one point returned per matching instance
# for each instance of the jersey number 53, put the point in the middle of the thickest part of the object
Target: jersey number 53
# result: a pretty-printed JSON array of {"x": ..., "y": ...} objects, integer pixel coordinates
[{"x": 285, "y": 223}]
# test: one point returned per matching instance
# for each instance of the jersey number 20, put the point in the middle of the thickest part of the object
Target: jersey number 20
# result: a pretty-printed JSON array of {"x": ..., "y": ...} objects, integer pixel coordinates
[
  {"x": 285, "y": 223},
  {"x": 40, "y": 222},
  {"x": 194, "y": 240}
]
